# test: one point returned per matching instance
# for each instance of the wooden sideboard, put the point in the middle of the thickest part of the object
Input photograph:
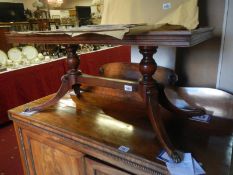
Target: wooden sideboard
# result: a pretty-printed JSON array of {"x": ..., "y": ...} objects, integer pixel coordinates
[
  {"x": 85, "y": 139},
  {"x": 63, "y": 140}
]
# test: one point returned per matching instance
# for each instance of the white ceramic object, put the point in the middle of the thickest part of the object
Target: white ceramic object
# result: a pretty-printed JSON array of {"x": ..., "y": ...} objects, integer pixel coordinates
[
  {"x": 40, "y": 56},
  {"x": 3, "y": 58},
  {"x": 30, "y": 52},
  {"x": 9, "y": 62},
  {"x": 47, "y": 58},
  {"x": 25, "y": 62},
  {"x": 15, "y": 54},
  {"x": 37, "y": 60}
]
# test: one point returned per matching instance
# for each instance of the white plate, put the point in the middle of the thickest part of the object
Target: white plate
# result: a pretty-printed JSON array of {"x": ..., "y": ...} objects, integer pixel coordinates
[
  {"x": 30, "y": 52},
  {"x": 15, "y": 54},
  {"x": 3, "y": 58}
]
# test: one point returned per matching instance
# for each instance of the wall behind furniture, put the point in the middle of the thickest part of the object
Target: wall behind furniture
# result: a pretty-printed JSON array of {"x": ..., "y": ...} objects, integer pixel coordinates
[
  {"x": 165, "y": 56},
  {"x": 198, "y": 65},
  {"x": 225, "y": 80}
]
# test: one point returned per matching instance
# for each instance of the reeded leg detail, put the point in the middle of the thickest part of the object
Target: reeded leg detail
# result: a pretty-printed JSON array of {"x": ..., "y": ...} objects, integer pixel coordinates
[
  {"x": 64, "y": 88},
  {"x": 68, "y": 80},
  {"x": 150, "y": 92},
  {"x": 153, "y": 111}
]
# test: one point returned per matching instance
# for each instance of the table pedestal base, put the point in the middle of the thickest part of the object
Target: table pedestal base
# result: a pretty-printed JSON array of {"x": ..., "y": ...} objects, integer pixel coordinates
[{"x": 151, "y": 92}]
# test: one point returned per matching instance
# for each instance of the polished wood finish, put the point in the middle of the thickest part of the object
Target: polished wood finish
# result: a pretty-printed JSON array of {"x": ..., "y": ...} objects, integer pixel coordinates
[
  {"x": 101, "y": 123},
  {"x": 151, "y": 92},
  {"x": 217, "y": 103},
  {"x": 176, "y": 38},
  {"x": 147, "y": 66},
  {"x": 106, "y": 82},
  {"x": 130, "y": 71},
  {"x": 68, "y": 80},
  {"x": 48, "y": 157},
  {"x": 97, "y": 168},
  {"x": 64, "y": 88},
  {"x": 87, "y": 130}
]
